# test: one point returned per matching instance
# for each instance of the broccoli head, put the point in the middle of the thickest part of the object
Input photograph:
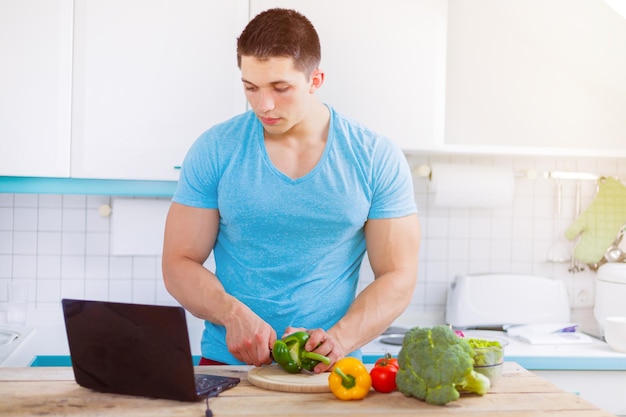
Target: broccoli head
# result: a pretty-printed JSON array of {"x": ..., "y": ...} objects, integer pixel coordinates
[{"x": 435, "y": 363}]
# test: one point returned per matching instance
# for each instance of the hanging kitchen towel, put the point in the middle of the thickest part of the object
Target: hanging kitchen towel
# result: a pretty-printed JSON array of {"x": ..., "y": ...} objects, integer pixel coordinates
[
  {"x": 600, "y": 223},
  {"x": 465, "y": 186},
  {"x": 137, "y": 226}
]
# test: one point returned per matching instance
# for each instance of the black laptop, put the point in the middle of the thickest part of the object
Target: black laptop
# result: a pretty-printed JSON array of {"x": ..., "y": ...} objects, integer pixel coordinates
[{"x": 135, "y": 349}]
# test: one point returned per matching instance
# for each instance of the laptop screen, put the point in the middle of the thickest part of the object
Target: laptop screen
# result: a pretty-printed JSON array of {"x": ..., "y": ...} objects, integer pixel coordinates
[{"x": 130, "y": 349}]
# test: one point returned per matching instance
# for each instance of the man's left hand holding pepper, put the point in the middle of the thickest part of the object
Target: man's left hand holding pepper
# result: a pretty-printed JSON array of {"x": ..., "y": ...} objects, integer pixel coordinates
[{"x": 322, "y": 343}]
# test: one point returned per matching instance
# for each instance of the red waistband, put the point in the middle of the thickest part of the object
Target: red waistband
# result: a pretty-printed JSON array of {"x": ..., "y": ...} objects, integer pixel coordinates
[{"x": 205, "y": 361}]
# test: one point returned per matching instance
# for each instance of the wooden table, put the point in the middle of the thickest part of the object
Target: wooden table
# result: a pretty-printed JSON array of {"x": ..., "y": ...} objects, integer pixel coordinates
[{"x": 52, "y": 391}]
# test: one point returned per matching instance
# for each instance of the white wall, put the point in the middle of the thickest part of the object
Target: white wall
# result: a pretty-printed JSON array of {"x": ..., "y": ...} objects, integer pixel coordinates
[{"x": 62, "y": 247}]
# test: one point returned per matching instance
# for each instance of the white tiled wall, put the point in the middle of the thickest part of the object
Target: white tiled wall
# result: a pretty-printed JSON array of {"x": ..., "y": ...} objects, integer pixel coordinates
[
  {"x": 511, "y": 240},
  {"x": 502, "y": 240},
  {"x": 60, "y": 244}
]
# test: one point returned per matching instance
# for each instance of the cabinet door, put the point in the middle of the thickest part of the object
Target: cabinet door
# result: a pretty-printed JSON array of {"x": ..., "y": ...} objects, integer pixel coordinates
[
  {"x": 149, "y": 78},
  {"x": 384, "y": 62},
  {"x": 35, "y": 87},
  {"x": 539, "y": 76},
  {"x": 604, "y": 389}
]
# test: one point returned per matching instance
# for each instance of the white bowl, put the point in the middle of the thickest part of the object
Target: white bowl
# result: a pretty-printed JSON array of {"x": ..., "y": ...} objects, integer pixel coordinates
[{"x": 615, "y": 333}]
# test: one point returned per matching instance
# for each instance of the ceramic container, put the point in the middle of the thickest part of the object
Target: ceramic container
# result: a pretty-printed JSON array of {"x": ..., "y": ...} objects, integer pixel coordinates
[{"x": 615, "y": 332}]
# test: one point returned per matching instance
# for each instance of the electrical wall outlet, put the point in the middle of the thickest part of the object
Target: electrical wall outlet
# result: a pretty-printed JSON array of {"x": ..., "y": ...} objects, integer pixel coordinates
[{"x": 584, "y": 291}]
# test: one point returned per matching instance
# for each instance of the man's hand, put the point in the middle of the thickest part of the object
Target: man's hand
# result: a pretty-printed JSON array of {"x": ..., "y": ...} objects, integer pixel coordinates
[
  {"x": 250, "y": 339},
  {"x": 322, "y": 343}
]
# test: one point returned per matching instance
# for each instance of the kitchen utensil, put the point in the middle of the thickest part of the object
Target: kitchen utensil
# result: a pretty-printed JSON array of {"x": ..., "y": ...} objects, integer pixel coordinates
[
  {"x": 575, "y": 265},
  {"x": 615, "y": 252},
  {"x": 393, "y": 335},
  {"x": 614, "y": 255},
  {"x": 273, "y": 377},
  {"x": 395, "y": 330},
  {"x": 559, "y": 253},
  {"x": 395, "y": 339},
  {"x": 559, "y": 197}
]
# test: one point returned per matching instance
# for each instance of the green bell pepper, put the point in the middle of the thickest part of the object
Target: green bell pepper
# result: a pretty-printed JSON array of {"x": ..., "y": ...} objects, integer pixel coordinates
[{"x": 291, "y": 355}]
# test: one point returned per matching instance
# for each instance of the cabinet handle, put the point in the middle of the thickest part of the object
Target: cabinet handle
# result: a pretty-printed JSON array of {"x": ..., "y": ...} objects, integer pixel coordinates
[{"x": 176, "y": 166}]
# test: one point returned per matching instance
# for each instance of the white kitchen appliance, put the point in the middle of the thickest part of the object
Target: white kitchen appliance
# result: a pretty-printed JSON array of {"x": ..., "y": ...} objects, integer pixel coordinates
[
  {"x": 501, "y": 300},
  {"x": 610, "y": 293}
]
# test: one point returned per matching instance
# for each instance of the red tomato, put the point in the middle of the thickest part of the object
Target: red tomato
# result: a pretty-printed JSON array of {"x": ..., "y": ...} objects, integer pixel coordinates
[
  {"x": 387, "y": 360},
  {"x": 384, "y": 374}
]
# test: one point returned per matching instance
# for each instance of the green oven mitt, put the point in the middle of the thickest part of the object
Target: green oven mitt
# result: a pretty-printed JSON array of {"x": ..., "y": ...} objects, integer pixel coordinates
[{"x": 600, "y": 223}]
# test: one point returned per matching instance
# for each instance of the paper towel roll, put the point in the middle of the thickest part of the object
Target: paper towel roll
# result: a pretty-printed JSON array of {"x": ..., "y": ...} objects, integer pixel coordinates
[{"x": 465, "y": 186}]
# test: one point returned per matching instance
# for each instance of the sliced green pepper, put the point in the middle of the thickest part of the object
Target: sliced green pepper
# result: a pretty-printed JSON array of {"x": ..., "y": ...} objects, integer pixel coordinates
[{"x": 291, "y": 355}]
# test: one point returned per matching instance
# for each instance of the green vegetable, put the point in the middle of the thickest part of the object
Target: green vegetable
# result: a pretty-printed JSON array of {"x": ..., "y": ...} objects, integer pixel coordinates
[
  {"x": 486, "y": 352},
  {"x": 291, "y": 355},
  {"x": 435, "y": 363}
]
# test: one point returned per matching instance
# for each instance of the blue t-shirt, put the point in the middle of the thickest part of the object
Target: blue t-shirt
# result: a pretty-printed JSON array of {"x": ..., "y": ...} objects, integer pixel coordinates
[{"x": 291, "y": 249}]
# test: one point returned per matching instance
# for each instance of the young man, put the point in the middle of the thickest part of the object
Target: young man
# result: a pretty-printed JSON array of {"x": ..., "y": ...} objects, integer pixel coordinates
[{"x": 288, "y": 196}]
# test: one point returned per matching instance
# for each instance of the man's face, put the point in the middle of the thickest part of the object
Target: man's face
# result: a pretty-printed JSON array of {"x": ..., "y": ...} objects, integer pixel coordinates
[{"x": 279, "y": 94}]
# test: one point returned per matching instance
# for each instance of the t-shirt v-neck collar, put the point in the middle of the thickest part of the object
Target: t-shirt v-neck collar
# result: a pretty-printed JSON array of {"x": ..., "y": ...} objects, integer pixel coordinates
[{"x": 261, "y": 142}]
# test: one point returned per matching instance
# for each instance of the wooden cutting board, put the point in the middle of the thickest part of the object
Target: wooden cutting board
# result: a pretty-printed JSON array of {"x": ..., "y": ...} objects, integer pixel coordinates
[{"x": 273, "y": 377}]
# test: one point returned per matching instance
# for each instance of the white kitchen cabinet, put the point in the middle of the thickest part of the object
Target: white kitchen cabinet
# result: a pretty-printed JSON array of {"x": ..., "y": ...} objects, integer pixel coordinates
[
  {"x": 536, "y": 77},
  {"x": 149, "y": 78},
  {"x": 384, "y": 62},
  {"x": 35, "y": 87},
  {"x": 604, "y": 389}
]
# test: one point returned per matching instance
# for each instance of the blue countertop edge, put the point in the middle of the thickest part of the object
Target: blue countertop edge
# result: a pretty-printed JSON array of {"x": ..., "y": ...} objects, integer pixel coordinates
[
  {"x": 551, "y": 363},
  {"x": 530, "y": 363},
  {"x": 40, "y": 185}
]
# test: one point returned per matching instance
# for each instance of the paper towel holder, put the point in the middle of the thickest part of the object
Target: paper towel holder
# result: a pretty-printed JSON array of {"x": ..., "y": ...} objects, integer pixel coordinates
[
  {"x": 105, "y": 210},
  {"x": 423, "y": 171}
]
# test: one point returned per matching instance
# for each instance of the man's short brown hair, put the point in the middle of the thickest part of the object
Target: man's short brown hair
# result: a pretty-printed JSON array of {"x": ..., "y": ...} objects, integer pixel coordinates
[{"x": 281, "y": 33}]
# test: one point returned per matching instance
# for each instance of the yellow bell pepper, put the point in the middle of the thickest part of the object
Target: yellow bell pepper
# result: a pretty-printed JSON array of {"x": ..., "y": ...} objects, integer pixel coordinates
[{"x": 349, "y": 379}]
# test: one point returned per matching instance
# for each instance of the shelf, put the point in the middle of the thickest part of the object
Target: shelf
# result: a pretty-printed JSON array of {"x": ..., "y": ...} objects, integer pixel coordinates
[{"x": 38, "y": 185}]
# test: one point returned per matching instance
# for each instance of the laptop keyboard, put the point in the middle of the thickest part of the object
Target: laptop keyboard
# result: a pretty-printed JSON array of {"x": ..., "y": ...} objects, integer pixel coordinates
[{"x": 212, "y": 384}]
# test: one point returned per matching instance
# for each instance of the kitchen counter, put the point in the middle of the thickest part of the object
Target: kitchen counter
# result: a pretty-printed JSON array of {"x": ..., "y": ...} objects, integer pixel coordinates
[
  {"x": 52, "y": 391},
  {"x": 46, "y": 336},
  {"x": 594, "y": 356}
]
